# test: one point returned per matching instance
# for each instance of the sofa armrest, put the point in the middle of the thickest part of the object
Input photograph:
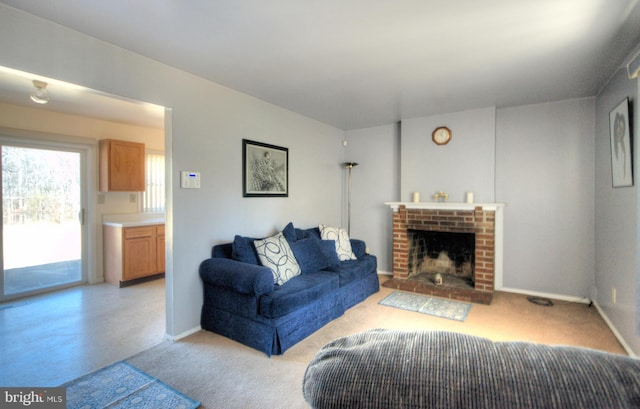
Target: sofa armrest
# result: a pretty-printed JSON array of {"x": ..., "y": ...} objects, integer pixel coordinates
[
  {"x": 359, "y": 247},
  {"x": 237, "y": 276}
]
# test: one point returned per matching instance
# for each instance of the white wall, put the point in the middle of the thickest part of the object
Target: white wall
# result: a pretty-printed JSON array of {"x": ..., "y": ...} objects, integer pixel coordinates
[
  {"x": 466, "y": 163},
  {"x": 208, "y": 124},
  {"x": 375, "y": 180},
  {"x": 544, "y": 172},
  {"x": 616, "y": 221}
]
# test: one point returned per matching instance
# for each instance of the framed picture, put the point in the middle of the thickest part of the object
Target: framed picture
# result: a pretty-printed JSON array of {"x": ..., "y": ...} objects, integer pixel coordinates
[
  {"x": 265, "y": 170},
  {"x": 619, "y": 131}
]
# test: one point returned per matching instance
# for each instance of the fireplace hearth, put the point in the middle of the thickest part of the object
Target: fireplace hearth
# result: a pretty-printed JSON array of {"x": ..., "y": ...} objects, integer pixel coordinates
[{"x": 455, "y": 241}]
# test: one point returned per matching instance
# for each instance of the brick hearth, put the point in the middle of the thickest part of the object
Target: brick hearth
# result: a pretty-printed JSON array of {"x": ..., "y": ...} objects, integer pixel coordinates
[{"x": 481, "y": 222}]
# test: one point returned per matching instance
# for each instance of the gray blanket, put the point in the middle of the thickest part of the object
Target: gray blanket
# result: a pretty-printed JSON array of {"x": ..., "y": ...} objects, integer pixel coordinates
[{"x": 423, "y": 369}]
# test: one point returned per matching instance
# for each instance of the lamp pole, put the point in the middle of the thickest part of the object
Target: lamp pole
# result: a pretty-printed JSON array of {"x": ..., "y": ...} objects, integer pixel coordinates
[{"x": 349, "y": 165}]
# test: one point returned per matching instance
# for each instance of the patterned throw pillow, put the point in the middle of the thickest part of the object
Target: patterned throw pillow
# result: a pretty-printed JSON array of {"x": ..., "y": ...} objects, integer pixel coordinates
[
  {"x": 340, "y": 236},
  {"x": 274, "y": 252}
]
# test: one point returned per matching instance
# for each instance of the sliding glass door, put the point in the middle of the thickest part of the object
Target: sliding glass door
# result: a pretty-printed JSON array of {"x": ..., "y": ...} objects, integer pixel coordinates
[{"x": 42, "y": 217}]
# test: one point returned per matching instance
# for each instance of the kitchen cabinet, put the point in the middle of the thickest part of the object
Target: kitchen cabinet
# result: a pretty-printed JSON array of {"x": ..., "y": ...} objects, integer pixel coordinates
[
  {"x": 122, "y": 166},
  {"x": 133, "y": 253}
]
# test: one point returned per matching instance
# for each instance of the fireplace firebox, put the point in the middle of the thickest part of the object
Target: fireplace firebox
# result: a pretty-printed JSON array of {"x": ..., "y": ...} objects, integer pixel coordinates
[{"x": 442, "y": 258}]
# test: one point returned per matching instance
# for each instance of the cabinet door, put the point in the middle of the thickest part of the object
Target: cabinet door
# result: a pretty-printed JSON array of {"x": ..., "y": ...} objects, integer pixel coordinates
[
  {"x": 160, "y": 251},
  {"x": 121, "y": 166},
  {"x": 139, "y": 252}
]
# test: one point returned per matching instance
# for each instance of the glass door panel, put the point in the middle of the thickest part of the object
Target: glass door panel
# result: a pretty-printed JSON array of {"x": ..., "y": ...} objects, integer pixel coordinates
[{"x": 41, "y": 219}]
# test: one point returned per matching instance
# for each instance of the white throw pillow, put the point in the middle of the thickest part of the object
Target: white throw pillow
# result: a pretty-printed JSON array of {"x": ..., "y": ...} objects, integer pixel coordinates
[
  {"x": 340, "y": 236},
  {"x": 274, "y": 252}
]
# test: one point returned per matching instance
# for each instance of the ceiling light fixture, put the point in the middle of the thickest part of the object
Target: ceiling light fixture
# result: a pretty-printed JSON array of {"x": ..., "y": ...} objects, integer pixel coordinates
[{"x": 40, "y": 94}]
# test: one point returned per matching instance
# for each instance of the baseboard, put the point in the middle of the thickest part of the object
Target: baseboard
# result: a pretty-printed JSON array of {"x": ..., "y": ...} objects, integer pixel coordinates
[
  {"x": 385, "y": 273},
  {"x": 560, "y": 297},
  {"x": 613, "y": 329},
  {"x": 185, "y": 334}
]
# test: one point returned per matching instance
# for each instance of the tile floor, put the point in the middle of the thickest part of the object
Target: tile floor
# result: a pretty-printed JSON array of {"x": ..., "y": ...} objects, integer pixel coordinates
[{"x": 50, "y": 339}]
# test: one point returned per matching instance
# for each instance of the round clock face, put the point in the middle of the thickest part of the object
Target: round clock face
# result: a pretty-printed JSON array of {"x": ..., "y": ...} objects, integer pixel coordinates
[{"x": 441, "y": 135}]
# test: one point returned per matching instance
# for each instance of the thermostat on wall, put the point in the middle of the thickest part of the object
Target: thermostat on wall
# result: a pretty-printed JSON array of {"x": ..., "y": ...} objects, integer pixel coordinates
[{"x": 190, "y": 180}]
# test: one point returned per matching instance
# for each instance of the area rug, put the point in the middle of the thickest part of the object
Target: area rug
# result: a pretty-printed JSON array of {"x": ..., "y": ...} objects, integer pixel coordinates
[
  {"x": 122, "y": 385},
  {"x": 438, "y": 307}
]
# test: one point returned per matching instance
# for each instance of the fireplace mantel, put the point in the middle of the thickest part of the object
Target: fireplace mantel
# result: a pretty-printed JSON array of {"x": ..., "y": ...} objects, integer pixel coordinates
[{"x": 445, "y": 205}]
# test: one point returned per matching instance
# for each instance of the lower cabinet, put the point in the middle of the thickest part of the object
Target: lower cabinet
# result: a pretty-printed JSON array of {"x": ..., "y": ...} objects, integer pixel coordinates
[{"x": 132, "y": 253}]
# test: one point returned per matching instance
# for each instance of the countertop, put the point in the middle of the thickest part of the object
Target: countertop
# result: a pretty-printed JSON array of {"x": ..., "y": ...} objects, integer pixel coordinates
[
  {"x": 134, "y": 223},
  {"x": 132, "y": 219}
]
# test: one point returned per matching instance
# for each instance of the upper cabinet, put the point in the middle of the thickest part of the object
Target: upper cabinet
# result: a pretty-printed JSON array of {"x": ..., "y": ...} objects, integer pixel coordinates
[{"x": 121, "y": 166}]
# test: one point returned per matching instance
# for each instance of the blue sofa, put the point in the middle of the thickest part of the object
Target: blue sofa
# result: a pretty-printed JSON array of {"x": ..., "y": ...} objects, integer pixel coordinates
[{"x": 243, "y": 302}]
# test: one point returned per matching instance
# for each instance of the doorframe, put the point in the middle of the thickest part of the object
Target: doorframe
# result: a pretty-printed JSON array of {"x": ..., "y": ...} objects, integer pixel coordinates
[{"x": 87, "y": 148}]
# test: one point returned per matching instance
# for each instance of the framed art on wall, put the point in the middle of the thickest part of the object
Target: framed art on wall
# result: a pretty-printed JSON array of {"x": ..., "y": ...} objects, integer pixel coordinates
[
  {"x": 265, "y": 170},
  {"x": 619, "y": 131}
]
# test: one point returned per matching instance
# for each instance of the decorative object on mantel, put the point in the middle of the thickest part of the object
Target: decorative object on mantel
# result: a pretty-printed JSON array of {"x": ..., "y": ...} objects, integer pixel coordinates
[
  {"x": 441, "y": 195},
  {"x": 620, "y": 145},
  {"x": 349, "y": 165},
  {"x": 416, "y": 197},
  {"x": 265, "y": 170},
  {"x": 469, "y": 197},
  {"x": 441, "y": 135}
]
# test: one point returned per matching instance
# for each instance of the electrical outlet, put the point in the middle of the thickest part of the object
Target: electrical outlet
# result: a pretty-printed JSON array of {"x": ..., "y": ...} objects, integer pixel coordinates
[{"x": 613, "y": 295}]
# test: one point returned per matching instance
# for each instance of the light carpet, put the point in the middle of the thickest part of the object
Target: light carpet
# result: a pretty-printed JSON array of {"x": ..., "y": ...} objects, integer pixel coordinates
[
  {"x": 224, "y": 374},
  {"x": 438, "y": 307},
  {"x": 122, "y": 385}
]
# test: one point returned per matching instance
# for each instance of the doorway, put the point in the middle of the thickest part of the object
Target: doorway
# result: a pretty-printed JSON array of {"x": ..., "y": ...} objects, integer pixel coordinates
[{"x": 42, "y": 219}]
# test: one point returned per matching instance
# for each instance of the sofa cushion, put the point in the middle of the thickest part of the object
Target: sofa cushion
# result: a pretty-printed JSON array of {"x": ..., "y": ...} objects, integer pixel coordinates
[
  {"x": 313, "y": 232},
  {"x": 289, "y": 232},
  {"x": 309, "y": 254},
  {"x": 342, "y": 242},
  {"x": 328, "y": 248},
  {"x": 274, "y": 252},
  {"x": 298, "y": 292},
  {"x": 355, "y": 270},
  {"x": 243, "y": 250}
]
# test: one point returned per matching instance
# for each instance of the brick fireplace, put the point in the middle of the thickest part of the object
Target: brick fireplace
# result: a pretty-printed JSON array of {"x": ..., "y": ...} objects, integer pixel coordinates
[{"x": 477, "y": 220}]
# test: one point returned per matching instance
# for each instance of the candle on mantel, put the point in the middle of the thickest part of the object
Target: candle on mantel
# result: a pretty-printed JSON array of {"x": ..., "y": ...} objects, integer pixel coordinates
[
  {"x": 469, "y": 197},
  {"x": 416, "y": 197}
]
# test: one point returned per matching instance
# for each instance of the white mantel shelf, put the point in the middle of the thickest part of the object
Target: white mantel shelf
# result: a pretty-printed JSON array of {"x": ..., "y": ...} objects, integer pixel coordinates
[{"x": 445, "y": 205}]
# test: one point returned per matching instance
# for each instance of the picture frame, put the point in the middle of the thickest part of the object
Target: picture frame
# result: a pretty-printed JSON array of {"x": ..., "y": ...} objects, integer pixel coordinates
[
  {"x": 621, "y": 148},
  {"x": 265, "y": 170}
]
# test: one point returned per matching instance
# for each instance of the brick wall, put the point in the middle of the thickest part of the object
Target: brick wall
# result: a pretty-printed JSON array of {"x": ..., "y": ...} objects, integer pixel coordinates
[{"x": 477, "y": 221}]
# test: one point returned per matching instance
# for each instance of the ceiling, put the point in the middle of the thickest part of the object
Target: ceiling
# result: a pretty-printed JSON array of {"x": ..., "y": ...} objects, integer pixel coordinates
[{"x": 360, "y": 63}]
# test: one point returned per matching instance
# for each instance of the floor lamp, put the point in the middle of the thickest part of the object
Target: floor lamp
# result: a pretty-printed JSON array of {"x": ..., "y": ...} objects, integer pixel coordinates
[{"x": 349, "y": 165}]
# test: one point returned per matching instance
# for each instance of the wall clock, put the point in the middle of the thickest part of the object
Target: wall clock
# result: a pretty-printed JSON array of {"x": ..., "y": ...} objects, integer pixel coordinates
[{"x": 441, "y": 135}]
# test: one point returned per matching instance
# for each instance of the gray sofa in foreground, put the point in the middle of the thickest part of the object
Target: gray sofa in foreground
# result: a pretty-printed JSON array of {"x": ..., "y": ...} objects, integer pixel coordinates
[{"x": 433, "y": 369}]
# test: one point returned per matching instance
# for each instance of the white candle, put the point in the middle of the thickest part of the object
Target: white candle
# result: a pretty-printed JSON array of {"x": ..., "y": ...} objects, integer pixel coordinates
[
  {"x": 416, "y": 197},
  {"x": 469, "y": 197}
]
